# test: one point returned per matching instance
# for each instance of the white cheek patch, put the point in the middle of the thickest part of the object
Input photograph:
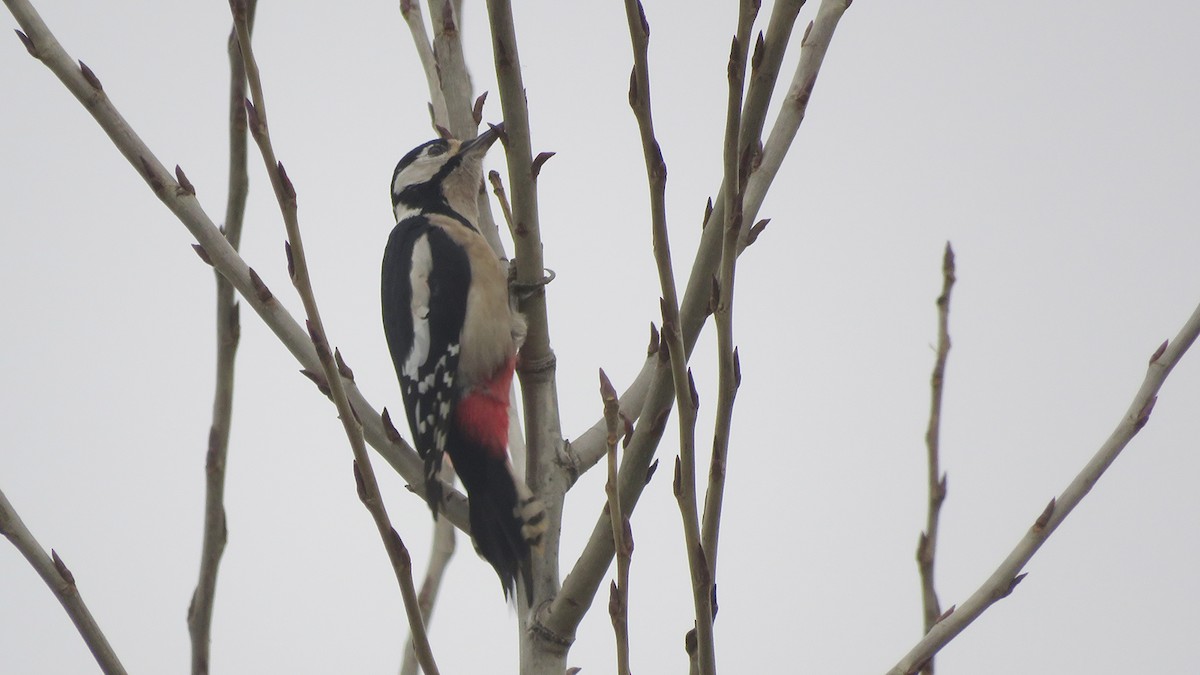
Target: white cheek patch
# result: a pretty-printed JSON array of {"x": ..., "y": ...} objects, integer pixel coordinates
[
  {"x": 422, "y": 264},
  {"x": 416, "y": 173},
  {"x": 420, "y": 171}
]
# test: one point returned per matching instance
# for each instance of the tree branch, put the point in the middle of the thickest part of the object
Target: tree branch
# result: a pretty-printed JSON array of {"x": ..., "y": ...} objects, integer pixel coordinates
[
  {"x": 453, "y": 77},
  {"x": 618, "y": 600},
  {"x": 368, "y": 487},
  {"x": 581, "y": 584},
  {"x": 537, "y": 365},
  {"x": 228, "y": 330},
  {"x": 1008, "y": 574},
  {"x": 927, "y": 546},
  {"x": 215, "y": 250},
  {"x": 589, "y": 446},
  {"x": 54, "y": 572},
  {"x": 672, "y": 339},
  {"x": 440, "y": 554},
  {"x": 739, "y": 158},
  {"x": 813, "y": 47},
  {"x": 411, "y": 11}
]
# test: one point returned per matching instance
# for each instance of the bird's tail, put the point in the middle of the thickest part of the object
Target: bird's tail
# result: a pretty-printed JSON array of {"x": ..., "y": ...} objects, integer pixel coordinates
[{"x": 507, "y": 523}]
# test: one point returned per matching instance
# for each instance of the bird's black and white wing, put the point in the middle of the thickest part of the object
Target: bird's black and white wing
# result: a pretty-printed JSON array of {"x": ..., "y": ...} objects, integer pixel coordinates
[{"x": 426, "y": 278}]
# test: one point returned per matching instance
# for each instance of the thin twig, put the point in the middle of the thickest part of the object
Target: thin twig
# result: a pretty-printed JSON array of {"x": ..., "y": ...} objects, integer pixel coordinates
[
  {"x": 581, "y": 584},
  {"x": 685, "y": 464},
  {"x": 502, "y": 197},
  {"x": 440, "y": 554},
  {"x": 200, "y": 610},
  {"x": 618, "y": 602},
  {"x": 765, "y": 70},
  {"x": 411, "y": 11},
  {"x": 588, "y": 447},
  {"x": 814, "y": 46},
  {"x": 215, "y": 249},
  {"x": 696, "y": 298},
  {"x": 1008, "y": 574},
  {"x": 738, "y": 160},
  {"x": 54, "y": 572},
  {"x": 368, "y": 487},
  {"x": 927, "y": 546}
]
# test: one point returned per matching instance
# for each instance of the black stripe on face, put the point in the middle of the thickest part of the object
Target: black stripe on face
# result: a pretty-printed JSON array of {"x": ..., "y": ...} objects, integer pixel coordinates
[{"x": 429, "y": 149}]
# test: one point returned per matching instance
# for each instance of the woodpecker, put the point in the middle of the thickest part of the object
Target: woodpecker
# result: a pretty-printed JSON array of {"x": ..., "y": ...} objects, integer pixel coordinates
[{"x": 453, "y": 337}]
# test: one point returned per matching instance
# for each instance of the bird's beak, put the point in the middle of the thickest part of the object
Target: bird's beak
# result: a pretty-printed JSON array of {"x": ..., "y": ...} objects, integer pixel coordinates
[{"x": 480, "y": 144}]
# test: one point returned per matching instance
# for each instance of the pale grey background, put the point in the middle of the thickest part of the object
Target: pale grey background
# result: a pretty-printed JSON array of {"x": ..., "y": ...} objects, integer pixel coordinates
[{"x": 1054, "y": 143}]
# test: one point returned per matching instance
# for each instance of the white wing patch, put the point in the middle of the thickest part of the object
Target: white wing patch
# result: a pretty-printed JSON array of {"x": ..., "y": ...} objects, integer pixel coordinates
[
  {"x": 428, "y": 385},
  {"x": 422, "y": 263}
]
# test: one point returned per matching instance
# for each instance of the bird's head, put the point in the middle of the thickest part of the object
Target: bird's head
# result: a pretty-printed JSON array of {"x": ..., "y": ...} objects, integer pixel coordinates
[{"x": 440, "y": 175}]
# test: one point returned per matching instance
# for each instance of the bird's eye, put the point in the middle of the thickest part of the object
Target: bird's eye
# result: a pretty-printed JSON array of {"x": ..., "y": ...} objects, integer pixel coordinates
[{"x": 435, "y": 150}]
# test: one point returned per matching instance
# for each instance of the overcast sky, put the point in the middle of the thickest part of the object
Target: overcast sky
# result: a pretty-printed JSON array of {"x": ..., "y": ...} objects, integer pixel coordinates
[{"x": 1055, "y": 144}]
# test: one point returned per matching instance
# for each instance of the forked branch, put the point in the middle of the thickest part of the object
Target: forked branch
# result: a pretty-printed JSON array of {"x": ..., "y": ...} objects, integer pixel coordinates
[
  {"x": 1008, "y": 574},
  {"x": 694, "y": 309},
  {"x": 582, "y": 583},
  {"x": 214, "y": 249}
]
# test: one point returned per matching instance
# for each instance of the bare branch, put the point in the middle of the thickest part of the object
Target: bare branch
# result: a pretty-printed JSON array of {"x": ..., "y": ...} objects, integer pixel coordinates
[
  {"x": 590, "y": 444},
  {"x": 440, "y": 554},
  {"x": 927, "y": 547},
  {"x": 738, "y": 155},
  {"x": 54, "y": 572},
  {"x": 411, "y": 11},
  {"x": 763, "y": 77},
  {"x": 418, "y": 639},
  {"x": 220, "y": 254},
  {"x": 814, "y": 46},
  {"x": 537, "y": 366},
  {"x": 502, "y": 197},
  {"x": 581, "y": 584},
  {"x": 451, "y": 68},
  {"x": 1008, "y": 574},
  {"x": 656, "y": 174},
  {"x": 587, "y": 448},
  {"x": 228, "y": 331},
  {"x": 368, "y": 486},
  {"x": 618, "y": 602}
]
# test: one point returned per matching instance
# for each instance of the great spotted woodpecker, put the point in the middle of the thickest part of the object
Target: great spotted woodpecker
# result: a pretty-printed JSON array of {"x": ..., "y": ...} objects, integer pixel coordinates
[{"x": 454, "y": 338}]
